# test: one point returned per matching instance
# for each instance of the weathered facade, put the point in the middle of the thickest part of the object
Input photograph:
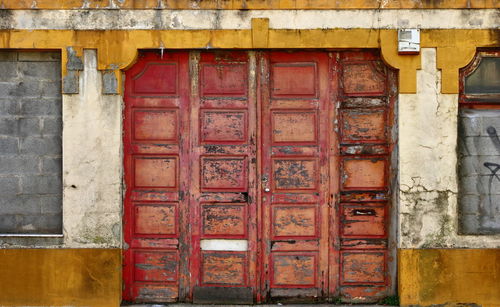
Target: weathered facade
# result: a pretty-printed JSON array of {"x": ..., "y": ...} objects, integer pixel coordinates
[{"x": 249, "y": 151}]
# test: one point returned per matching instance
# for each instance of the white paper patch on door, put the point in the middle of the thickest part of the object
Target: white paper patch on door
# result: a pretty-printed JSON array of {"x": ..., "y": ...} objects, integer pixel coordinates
[{"x": 224, "y": 245}]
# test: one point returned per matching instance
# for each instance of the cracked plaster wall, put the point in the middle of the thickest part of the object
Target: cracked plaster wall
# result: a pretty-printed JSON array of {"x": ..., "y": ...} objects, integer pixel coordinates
[
  {"x": 106, "y": 19},
  {"x": 428, "y": 189},
  {"x": 92, "y": 163}
]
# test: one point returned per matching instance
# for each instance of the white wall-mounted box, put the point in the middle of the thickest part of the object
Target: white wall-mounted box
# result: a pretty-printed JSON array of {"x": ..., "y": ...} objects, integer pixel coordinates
[{"x": 409, "y": 41}]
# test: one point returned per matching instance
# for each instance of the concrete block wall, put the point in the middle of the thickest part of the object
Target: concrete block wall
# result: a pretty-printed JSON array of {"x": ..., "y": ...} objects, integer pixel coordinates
[
  {"x": 479, "y": 165},
  {"x": 30, "y": 142}
]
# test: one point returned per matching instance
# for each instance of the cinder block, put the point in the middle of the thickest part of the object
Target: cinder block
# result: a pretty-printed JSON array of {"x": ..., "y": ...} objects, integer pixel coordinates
[
  {"x": 36, "y": 56},
  {"x": 9, "y": 106},
  {"x": 478, "y": 145},
  {"x": 21, "y": 205},
  {"x": 50, "y": 223},
  {"x": 8, "y": 127},
  {"x": 6, "y": 89},
  {"x": 21, "y": 89},
  {"x": 475, "y": 165},
  {"x": 52, "y": 126},
  {"x": 41, "y": 106},
  {"x": 8, "y": 185},
  {"x": 37, "y": 223},
  {"x": 8, "y": 71},
  {"x": 51, "y": 204},
  {"x": 8, "y": 223},
  {"x": 29, "y": 126},
  {"x": 52, "y": 165},
  {"x": 9, "y": 145},
  {"x": 41, "y": 184},
  {"x": 469, "y": 204},
  {"x": 28, "y": 223},
  {"x": 469, "y": 224},
  {"x": 51, "y": 89},
  {"x": 15, "y": 165},
  {"x": 47, "y": 145},
  {"x": 39, "y": 70},
  {"x": 469, "y": 126}
]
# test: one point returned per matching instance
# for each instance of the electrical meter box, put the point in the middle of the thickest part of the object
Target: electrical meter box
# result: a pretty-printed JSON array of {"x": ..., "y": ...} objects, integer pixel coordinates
[{"x": 409, "y": 41}]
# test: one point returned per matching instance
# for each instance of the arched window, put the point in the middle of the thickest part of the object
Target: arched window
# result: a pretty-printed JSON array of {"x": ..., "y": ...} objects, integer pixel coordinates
[{"x": 479, "y": 145}]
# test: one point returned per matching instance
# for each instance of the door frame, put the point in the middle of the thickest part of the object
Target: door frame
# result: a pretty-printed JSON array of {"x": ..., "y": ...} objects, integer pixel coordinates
[{"x": 334, "y": 241}]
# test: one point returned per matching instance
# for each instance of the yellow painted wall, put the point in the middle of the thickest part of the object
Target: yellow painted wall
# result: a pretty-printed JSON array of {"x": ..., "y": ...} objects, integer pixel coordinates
[
  {"x": 118, "y": 49},
  {"x": 69, "y": 277},
  {"x": 449, "y": 276}
]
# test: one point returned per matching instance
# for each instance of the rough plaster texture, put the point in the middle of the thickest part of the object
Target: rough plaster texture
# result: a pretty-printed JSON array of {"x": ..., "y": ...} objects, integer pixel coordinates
[
  {"x": 92, "y": 163},
  {"x": 104, "y": 19},
  {"x": 30, "y": 143},
  {"x": 428, "y": 173}
]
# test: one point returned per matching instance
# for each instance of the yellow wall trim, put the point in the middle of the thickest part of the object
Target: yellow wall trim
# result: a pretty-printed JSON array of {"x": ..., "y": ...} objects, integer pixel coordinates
[
  {"x": 449, "y": 276},
  {"x": 249, "y": 4},
  {"x": 55, "y": 277},
  {"x": 118, "y": 49}
]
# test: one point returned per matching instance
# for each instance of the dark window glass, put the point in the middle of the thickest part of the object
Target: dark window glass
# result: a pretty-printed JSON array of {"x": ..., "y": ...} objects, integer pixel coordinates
[{"x": 485, "y": 79}]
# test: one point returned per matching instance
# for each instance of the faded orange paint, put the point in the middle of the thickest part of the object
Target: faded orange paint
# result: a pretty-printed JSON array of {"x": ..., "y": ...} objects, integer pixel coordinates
[
  {"x": 452, "y": 277},
  {"x": 60, "y": 277},
  {"x": 118, "y": 49}
]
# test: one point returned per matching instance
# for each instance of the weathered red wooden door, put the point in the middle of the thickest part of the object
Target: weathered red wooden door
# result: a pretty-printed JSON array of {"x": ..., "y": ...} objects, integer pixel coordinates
[
  {"x": 257, "y": 176},
  {"x": 156, "y": 151},
  {"x": 223, "y": 167},
  {"x": 294, "y": 177}
]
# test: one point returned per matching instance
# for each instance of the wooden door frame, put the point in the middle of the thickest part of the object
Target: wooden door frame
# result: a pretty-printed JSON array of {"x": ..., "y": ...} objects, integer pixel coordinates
[{"x": 333, "y": 199}]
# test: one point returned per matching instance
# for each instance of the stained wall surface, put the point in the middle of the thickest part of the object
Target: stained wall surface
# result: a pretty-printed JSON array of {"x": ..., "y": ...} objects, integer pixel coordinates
[
  {"x": 428, "y": 192},
  {"x": 426, "y": 183},
  {"x": 437, "y": 264}
]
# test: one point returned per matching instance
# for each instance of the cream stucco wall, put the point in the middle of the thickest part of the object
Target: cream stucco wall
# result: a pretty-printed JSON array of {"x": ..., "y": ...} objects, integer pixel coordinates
[
  {"x": 92, "y": 163},
  {"x": 428, "y": 166}
]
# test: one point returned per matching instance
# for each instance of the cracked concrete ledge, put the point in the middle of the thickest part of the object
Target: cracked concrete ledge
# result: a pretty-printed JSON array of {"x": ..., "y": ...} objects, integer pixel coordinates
[{"x": 152, "y": 19}]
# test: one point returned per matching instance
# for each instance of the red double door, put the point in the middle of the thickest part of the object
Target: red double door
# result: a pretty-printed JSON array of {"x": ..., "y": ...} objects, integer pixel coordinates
[{"x": 254, "y": 176}]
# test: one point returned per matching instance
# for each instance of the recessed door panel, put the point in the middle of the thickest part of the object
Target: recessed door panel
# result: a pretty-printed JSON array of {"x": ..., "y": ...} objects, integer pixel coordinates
[
  {"x": 155, "y": 151},
  {"x": 223, "y": 170},
  {"x": 295, "y": 116}
]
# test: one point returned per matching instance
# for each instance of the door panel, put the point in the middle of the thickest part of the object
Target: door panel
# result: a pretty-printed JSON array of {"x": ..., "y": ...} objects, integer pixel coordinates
[
  {"x": 157, "y": 101},
  {"x": 223, "y": 155},
  {"x": 257, "y": 176},
  {"x": 295, "y": 96},
  {"x": 365, "y": 99}
]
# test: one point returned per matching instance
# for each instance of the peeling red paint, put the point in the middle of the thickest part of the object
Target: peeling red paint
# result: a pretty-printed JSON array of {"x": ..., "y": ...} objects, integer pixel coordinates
[{"x": 287, "y": 150}]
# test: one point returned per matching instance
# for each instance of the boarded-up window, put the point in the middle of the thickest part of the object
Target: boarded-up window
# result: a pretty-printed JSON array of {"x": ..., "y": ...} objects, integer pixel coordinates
[
  {"x": 479, "y": 146},
  {"x": 30, "y": 143}
]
